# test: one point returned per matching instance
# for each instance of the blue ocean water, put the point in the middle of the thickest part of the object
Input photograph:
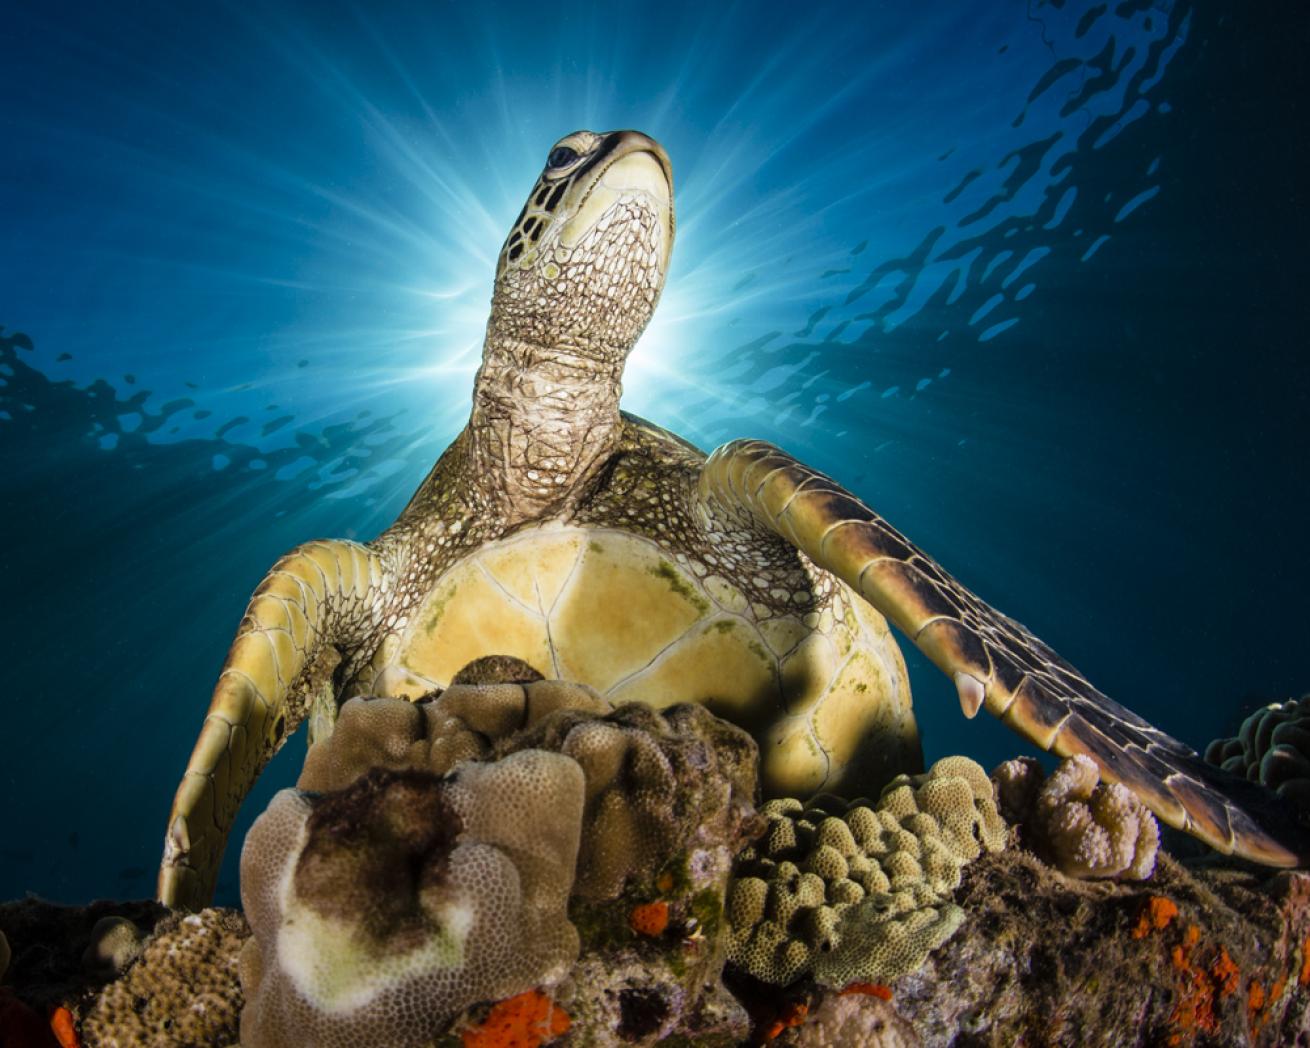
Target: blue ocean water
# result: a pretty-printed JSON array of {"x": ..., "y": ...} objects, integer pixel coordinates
[{"x": 1027, "y": 277}]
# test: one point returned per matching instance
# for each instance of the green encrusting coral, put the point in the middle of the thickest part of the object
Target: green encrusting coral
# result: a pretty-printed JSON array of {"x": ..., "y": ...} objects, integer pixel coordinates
[{"x": 847, "y": 892}]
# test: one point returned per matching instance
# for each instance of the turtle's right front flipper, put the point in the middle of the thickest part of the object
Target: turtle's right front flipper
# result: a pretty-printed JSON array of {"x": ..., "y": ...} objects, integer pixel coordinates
[
  {"x": 996, "y": 663},
  {"x": 320, "y": 596}
]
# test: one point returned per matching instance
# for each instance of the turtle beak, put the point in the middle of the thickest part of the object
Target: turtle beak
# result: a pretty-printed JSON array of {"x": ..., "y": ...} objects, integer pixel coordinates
[{"x": 626, "y": 165}]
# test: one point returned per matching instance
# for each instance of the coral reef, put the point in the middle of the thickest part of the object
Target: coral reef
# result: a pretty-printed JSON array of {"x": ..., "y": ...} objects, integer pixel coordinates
[
  {"x": 850, "y": 893},
  {"x": 664, "y": 801},
  {"x": 382, "y": 909},
  {"x": 182, "y": 991},
  {"x": 656, "y": 780},
  {"x": 1085, "y": 828},
  {"x": 1204, "y": 954},
  {"x": 460, "y": 724},
  {"x": 420, "y": 888},
  {"x": 1180, "y": 960},
  {"x": 1272, "y": 747},
  {"x": 4, "y": 955},
  {"x": 670, "y": 802}
]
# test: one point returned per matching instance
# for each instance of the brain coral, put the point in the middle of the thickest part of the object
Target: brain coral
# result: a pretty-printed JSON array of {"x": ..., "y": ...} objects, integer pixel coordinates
[
  {"x": 1272, "y": 748},
  {"x": 851, "y": 893},
  {"x": 381, "y": 909},
  {"x": 1086, "y": 828}
]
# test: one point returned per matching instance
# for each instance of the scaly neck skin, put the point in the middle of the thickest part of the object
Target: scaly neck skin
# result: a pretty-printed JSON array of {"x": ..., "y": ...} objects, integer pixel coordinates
[{"x": 544, "y": 418}]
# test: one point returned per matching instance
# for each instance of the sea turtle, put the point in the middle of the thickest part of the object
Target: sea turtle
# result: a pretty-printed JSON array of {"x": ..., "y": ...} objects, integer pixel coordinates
[{"x": 602, "y": 549}]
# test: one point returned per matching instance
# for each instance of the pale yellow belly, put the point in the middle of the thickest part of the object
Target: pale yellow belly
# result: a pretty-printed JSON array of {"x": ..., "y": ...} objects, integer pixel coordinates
[{"x": 822, "y": 689}]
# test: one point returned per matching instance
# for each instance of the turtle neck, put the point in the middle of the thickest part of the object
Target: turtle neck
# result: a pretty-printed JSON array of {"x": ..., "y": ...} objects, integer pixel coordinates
[{"x": 544, "y": 418}]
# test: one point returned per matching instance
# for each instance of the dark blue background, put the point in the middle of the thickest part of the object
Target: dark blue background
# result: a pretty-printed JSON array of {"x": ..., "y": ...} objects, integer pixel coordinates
[{"x": 252, "y": 254}]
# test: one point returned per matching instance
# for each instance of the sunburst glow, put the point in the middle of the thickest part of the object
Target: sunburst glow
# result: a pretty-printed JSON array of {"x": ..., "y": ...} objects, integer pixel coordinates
[{"x": 333, "y": 249}]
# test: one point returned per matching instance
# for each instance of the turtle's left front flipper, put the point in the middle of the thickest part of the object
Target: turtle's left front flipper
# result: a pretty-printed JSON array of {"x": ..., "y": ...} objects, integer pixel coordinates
[
  {"x": 321, "y": 599},
  {"x": 994, "y": 661}
]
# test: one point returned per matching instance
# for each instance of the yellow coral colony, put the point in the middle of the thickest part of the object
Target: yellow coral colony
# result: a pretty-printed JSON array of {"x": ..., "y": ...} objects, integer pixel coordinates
[{"x": 853, "y": 893}]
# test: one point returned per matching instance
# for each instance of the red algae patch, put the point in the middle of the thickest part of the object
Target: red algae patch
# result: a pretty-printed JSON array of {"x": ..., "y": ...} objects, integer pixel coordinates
[
  {"x": 61, "y": 1024},
  {"x": 870, "y": 989},
  {"x": 1156, "y": 916},
  {"x": 793, "y": 1016},
  {"x": 524, "y": 1021},
  {"x": 650, "y": 918},
  {"x": 1224, "y": 973}
]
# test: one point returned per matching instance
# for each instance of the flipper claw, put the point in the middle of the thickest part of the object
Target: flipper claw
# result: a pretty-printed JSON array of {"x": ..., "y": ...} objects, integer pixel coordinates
[{"x": 971, "y": 693}]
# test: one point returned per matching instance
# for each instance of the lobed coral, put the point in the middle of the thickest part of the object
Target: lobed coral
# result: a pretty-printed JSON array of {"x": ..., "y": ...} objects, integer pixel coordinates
[
  {"x": 861, "y": 894},
  {"x": 461, "y": 724},
  {"x": 182, "y": 992},
  {"x": 660, "y": 784},
  {"x": 1017, "y": 782},
  {"x": 1272, "y": 747},
  {"x": 382, "y": 909},
  {"x": 1085, "y": 828},
  {"x": 656, "y": 779}
]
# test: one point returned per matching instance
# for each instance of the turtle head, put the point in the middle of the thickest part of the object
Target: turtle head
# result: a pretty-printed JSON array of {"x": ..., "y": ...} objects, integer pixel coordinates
[{"x": 583, "y": 266}]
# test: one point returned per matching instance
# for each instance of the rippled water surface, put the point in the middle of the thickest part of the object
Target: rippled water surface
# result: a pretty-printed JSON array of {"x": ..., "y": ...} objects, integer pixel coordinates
[{"x": 1027, "y": 277}]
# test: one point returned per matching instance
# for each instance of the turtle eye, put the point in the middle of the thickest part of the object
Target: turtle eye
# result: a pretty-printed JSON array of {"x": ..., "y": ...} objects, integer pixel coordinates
[{"x": 561, "y": 156}]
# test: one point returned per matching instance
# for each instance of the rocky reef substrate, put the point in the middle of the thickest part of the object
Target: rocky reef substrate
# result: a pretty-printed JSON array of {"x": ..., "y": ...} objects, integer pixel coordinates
[
  {"x": 519, "y": 863},
  {"x": 1205, "y": 953}
]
